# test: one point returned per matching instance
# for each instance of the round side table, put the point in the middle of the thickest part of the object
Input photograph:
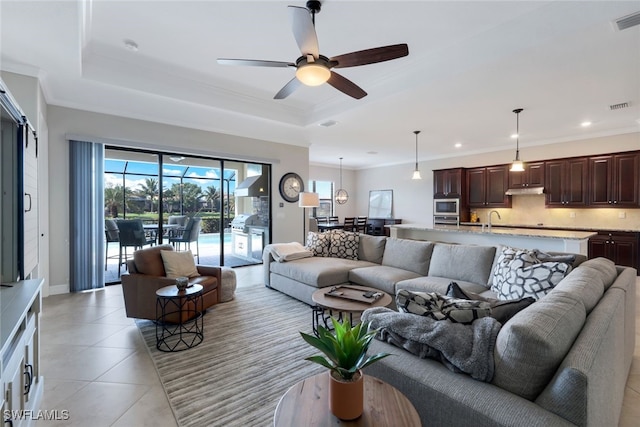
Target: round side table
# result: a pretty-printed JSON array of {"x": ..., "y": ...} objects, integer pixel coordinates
[
  {"x": 307, "y": 404},
  {"x": 179, "y": 323}
]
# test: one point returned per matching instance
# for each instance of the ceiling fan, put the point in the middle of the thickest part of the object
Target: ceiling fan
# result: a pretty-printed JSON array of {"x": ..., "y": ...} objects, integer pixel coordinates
[{"x": 313, "y": 69}]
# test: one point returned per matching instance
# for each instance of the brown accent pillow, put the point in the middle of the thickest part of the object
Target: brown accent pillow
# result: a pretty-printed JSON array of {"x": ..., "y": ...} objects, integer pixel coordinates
[{"x": 501, "y": 310}]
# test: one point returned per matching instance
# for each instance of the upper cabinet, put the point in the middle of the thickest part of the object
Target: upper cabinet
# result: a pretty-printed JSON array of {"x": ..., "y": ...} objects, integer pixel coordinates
[
  {"x": 487, "y": 186},
  {"x": 533, "y": 176},
  {"x": 448, "y": 183},
  {"x": 566, "y": 182},
  {"x": 615, "y": 180}
]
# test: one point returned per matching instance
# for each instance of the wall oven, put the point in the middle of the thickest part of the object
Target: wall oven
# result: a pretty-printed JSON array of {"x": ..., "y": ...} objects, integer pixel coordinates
[{"x": 446, "y": 211}]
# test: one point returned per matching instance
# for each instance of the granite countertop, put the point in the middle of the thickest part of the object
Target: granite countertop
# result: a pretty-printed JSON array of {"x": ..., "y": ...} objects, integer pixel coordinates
[
  {"x": 551, "y": 227},
  {"x": 513, "y": 231}
]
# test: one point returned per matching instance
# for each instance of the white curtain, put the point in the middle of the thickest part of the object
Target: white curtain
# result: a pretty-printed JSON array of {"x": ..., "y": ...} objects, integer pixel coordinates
[{"x": 86, "y": 215}]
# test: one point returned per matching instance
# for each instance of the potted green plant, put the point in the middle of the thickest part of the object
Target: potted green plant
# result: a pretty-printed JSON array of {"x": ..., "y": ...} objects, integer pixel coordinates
[{"x": 345, "y": 354}]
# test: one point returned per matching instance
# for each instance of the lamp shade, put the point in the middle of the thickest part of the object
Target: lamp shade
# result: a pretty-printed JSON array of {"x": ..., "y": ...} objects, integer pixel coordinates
[{"x": 309, "y": 200}]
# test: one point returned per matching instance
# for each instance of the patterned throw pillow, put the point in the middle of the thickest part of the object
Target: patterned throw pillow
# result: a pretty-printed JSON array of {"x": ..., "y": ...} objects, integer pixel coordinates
[
  {"x": 318, "y": 243},
  {"x": 500, "y": 310},
  {"x": 344, "y": 244},
  {"x": 441, "y": 307},
  {"x": 519, "y": 273}
]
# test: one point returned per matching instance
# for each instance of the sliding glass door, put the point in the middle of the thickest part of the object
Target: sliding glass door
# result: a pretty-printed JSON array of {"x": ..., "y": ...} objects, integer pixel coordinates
[{"x": 165, "y": 191}]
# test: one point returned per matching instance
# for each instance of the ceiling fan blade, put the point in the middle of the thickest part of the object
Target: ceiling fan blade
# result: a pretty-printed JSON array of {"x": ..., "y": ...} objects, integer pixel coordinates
[
  {"x": 347, "y": 86},
  {"x": 303, "y": 31},
  {"x": 255, "y": 63},
  {"x": 288, "y": 89},
  {"x": 370, "y": 56}
]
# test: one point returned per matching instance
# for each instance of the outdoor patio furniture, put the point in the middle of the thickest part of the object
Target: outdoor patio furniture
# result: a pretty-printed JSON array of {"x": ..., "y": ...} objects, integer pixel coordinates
[
  {"x": 190, "y": 234},
  {"x": 111, "y": 234},
  {"x": 132, "y": 234}
]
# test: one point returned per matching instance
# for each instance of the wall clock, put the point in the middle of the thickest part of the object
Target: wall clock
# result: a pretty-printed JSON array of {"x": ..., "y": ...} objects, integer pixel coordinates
[{"x": 291, "y": 185}]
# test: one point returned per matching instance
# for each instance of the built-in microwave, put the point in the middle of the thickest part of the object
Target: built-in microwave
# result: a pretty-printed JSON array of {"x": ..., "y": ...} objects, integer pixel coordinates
[{"x": 446, "y": 207}]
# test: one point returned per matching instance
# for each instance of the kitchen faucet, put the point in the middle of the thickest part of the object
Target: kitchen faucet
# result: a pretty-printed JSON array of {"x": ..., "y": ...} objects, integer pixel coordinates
[{"x": 489, "y": 218}]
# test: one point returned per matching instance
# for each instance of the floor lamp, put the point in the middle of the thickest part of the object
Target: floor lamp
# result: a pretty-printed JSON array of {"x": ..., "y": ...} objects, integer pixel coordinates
[{"x": 307, "y": 200}]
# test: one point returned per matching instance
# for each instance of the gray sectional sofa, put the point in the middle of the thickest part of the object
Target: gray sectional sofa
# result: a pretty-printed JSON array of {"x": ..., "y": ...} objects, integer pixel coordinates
[{"x": 561, "y": 361}]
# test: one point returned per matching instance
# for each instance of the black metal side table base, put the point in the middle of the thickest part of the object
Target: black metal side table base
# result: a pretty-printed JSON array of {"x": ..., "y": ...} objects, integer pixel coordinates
[
  {"x": 179, "y": 335},
  {"x": 323, "y": 315}
]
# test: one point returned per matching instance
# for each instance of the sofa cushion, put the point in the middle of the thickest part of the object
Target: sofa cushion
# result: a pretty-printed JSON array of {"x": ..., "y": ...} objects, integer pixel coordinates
[
  {"x": 584, "y": 284},
  {"x": 462, "y": 262},
  {"x": 318, "y": 243},
  {"x": 344, "y": 244},
  {"x": 179, "y": 264},
  {"x": 318, "y": 271},
  {"x": 148, "y": 261},
  {"x": 531, "y": 345},
  {"x": 436, "y": 284},
  {"x": 519, "y": 274},
  {"x": 371, "y": 248},
  {"x": 441, "y": 307},
  {"x": 501, "y": 310},
  {"x": 411, "y": 255},
  {"x": 603, "y": 267},
  {"x": 380, "y": 277}
]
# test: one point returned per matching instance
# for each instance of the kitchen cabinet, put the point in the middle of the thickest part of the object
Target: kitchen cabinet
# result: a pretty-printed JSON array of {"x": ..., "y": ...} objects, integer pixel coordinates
[
  {"x": 486, "y": 187},
  {"x": 533, "y": 176},
  {"x": 618, "y": 246},
  {"x": 566, "y": 182},
  {"x": 615, "y": 180},
  {"x": 448, "y": 183}
]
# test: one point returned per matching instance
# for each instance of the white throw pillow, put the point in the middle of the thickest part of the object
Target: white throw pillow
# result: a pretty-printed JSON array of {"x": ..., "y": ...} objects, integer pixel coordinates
[{"x": 179, "y": 264}]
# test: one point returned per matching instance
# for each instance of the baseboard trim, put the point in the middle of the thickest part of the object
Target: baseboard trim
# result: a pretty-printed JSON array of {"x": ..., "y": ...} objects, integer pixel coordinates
[{"x": 59, "y": 289}]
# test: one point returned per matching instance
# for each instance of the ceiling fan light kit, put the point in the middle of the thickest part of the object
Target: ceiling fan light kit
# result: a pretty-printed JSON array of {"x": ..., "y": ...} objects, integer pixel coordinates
[
  {"x": 517, "y": 165},
  {"x": 313, "y": 69}
]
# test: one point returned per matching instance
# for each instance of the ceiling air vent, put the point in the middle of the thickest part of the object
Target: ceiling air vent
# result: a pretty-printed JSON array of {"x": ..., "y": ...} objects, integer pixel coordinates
[
  {"x": 627, "y": 21},
  {"x": 618, "y": 106}
]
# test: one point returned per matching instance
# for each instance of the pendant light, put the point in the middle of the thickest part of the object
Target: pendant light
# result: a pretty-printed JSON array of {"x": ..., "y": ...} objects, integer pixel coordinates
[
  {"x": 416, "y": 172},
  {"x": 517, "y": 165},
  {"x": 341, "y": 195}
]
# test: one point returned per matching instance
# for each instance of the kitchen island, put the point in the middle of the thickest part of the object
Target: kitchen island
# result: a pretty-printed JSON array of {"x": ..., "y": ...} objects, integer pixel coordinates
[{"x": 545, "y": 239}]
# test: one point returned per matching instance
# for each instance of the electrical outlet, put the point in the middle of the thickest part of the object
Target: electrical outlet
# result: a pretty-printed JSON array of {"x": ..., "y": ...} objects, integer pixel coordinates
[
  {"x": 572, "y": 214},
  {"x": 622, "y": 215}
]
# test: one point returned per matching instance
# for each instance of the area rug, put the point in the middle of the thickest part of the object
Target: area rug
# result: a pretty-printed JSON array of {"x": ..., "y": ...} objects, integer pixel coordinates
[{"x": 252, "y": 353}]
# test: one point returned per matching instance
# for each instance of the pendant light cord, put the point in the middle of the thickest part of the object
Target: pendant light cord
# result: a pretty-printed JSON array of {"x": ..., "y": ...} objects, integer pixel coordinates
[
  {"x": 416, "y": 132},
  {"x": 341, "y": 173}
]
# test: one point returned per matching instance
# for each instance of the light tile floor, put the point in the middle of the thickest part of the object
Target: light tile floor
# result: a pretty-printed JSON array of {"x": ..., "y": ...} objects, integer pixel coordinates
[{"x": 97, "y": 367}]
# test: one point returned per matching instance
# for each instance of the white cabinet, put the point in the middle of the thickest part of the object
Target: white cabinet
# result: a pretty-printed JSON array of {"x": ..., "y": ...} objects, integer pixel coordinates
[{"x": 20, "y": 379}]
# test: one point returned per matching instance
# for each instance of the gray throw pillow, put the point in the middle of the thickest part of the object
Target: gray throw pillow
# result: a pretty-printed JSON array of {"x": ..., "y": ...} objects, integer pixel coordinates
[
  {"x": 441, "y": 307},
  {"x": 501, "y": 310}
]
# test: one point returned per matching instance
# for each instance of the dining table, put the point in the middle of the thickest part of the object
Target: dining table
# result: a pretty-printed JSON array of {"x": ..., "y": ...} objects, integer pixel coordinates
[
  {"x": 330, "y": 226},
  {"x": 152, "y": 229}
]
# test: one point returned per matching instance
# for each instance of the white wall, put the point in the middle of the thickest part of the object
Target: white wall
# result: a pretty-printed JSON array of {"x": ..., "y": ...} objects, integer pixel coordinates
[
  {"x": 323, "y": 173},
  {"x": 413, "y": 200},
  {"x": 287, "y": 220}
]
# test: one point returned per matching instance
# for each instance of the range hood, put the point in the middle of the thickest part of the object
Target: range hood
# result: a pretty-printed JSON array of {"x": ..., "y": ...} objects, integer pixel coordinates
[
  {"x": 525, "y": 191},
  {"x": 254, "y": 186}
]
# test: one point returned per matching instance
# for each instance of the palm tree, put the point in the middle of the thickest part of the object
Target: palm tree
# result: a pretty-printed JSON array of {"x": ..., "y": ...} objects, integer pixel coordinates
[
  {"x": 113, "y": 199},
  {"x": 149, "y": 190},
  {"x": 212, "y": 195}
]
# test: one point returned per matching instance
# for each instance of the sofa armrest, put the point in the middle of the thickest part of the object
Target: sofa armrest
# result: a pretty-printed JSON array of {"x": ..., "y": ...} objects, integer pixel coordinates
[
  {"x": 267, "y": 259},
  {"x": 209, "y": 270},
  {"x": 139, "y": 292}
]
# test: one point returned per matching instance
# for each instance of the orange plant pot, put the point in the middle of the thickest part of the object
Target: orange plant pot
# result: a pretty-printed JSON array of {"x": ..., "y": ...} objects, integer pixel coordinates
[{"x": 346, "y": 398}]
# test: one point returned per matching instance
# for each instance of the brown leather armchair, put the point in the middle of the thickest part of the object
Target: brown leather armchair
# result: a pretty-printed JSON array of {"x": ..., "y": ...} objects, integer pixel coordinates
[{"x": 147, "y": 275}]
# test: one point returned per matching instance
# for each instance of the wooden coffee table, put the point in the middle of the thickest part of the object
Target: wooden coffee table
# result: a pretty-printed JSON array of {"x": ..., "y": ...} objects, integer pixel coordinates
[
  {"x": 329, "y": 306},
  {"x": 307, "y": 404}
]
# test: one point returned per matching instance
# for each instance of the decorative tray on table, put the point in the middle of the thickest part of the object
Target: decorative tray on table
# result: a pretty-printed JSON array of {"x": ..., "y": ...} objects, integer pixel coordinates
[{"x": 354, "y": 294}]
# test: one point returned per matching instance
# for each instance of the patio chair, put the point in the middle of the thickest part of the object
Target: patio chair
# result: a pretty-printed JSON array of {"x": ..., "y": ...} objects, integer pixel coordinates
[
  {"x": 131, "y": 234},
  {"x": 111, "y": 234},
  {"x": 190, "y": 234}
]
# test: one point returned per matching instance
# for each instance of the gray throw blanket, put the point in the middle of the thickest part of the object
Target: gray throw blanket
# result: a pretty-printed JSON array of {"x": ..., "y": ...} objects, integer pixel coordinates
[{"x": 461, "y": 348}]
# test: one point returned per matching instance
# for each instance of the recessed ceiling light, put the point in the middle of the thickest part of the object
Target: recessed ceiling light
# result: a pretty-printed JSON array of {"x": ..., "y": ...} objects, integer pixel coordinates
[
  {"x": 458, "y": 145},
  {"x": 585, "y": 124},
  {"x": 372, "y": 152},
  {"x": 328, "y": 123},
  {"x": 130, "y": 45}
]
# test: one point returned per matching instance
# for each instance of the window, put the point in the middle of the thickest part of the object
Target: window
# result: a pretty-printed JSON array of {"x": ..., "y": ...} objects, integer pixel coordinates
[{"x": 325, "y": 191}]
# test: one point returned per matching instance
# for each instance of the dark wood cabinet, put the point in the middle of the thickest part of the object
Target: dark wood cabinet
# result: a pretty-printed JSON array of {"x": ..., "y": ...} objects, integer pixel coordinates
[
  {"x": 448, "y": 183},
  {"x": 618, "y": 246},
  {"x": 486, "y": 187},
  {"x": 566, "y": 182},
  {"x": 533, "y": 176},
  {"x": 615, "y": 180}
]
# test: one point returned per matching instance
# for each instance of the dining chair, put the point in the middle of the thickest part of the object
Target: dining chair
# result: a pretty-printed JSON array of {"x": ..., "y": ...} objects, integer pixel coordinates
[
  {"x": 361, "y": 224},
  {"x": 191, "y": 233},
  {"x": 350, "y": 223},
  {"x": 322, "y": 219},
  {"x": 131, "y": 234},
  {"x": 333, "y": 219},
  {"x": 111, "y": 234}
]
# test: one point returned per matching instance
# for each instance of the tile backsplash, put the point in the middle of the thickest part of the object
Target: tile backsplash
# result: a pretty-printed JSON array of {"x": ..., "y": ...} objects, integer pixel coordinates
[{"x": 530, "y": 210}]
